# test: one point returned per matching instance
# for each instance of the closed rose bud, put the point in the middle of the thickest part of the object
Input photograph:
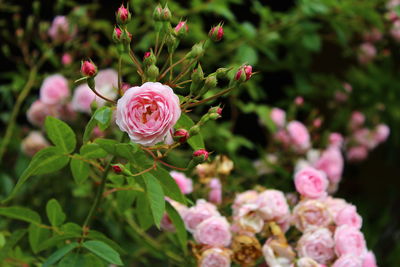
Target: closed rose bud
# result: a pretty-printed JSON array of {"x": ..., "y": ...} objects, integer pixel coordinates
[
  {"x": 244, "y": 73},
  {"x": 88, "y": 68},
  {"x": 123, "y": 15},
  {"x": 201, "y": 154},
  {"x": 299, "y": 101},
  {"x": 149, "y": 58},
  {"x": 216, "y": 33},
  {"x": 157, "y": 13},
  {"x": 181, "y": 135},
  {"x": 117, "y": 34},
  {"x": 166, "y": 14},
  {"x": 181, "y": 29},
  {"x": 197, "y": 51},
  {"x": 152, "y": 73},
  {"x": 195, "y": 129},
  {"x": 66, "y": 59},
  {"x": 117, "y": 169},
  {"x": 248, "y": 70}
]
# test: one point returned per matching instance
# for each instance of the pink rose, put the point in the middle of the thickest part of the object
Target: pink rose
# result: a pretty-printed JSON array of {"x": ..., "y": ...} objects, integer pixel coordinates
[
  {"x": 310, "y": 214},
  {"x": 278, "y": 116},
  {"x": 366, "y": 53},
  {"x": 348, "y": 260},
  {"x": 148, "y": 113},
  {"x": 357, "y": 153},
  {"x": 215, "y": 194},
  {"x": 248, "y": 220},
  {"x": 349, "y": 240},
  {"x": 198, "y": 213},
  {"x": 282, "y": 137},
  {"x": 334, "y": 205},
  {"x": 214, "y": 231},
  {"x": 369, "y": 260},
  {"x": 166, "y": 223},
  {"x": 331, "y": 162},
  {"x": 215, "y": 257},
  {"x": 60, "y": 30},
  {"x": 364, "y": 137},
  {"x": 272, "y": 205},
  {"x": 341, "y": 96},
  {"x": 66, "y": 59},
  {"x": 317, "y": 244},
  {"x": 54, "y": 90},
  {"x": 307, "y": 262},
  {"x": 33, "y": 143},
  {"x": 299, "y": 100},
  {"x": 349, "y": 216},
  {"x": 247, "y": 197},
  {"x": 299, "y": 136},
  {"x": 311, "y": 183},
  {"x": 357, "y": 119},
  {"x": 381, "y": 133},
  {"x": 336, "y": 139},
  {"x": 38, "y": 112},
  {"x": 184, "y": 183},
  {"x": 83, "y": 98}
]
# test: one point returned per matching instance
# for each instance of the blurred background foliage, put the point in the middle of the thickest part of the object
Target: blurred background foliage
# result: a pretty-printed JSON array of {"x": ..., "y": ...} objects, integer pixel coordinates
[{"x": 302, "y": 48}]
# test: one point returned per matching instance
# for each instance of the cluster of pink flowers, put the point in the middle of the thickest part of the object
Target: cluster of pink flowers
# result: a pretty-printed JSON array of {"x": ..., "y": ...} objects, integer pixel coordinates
[
  {"x": 363, "y": 139},
  {"x": 394, "y": 18}
]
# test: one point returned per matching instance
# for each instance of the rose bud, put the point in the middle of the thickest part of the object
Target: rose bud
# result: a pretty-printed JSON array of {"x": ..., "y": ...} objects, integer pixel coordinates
[
  {"x": 195, "y": 129},
  {"x": 166, "y": 14},
  {"x": 181, "y": 29},
  {"x": 196, "y": 51},
  {"x": 299, "y": 101},
  {"x": 216, "y": 33},
  {"x": 117, "y": 169},
  {"x": 117, "y": 35},
  {"x": 152, "y": 72},
  {"x": 200, "y": 155},
  {"x": 123, "y": 15},
  {"x": 244, "y": 73},
  {"x": 121, "y": 169},
  {"x": 157, "y": 13},
  {"x": 126, "y": 36},
  {"x": 88, "y": 68},
  {"x": 149, "y": 58},
  {"x": 66, "y": 59},
  {"x": 181, "y": 135}
]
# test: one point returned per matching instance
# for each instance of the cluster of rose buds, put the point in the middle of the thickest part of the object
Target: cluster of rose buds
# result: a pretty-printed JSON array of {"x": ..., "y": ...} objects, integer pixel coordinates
[{"x": 363, "y": 139}]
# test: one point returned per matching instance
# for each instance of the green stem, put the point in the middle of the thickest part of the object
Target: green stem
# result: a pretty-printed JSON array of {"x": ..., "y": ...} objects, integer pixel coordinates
[
  {"x": 21, "y": 97},
  {"x": 171, "y": 69},
  {"x": 210, "y": 98}
]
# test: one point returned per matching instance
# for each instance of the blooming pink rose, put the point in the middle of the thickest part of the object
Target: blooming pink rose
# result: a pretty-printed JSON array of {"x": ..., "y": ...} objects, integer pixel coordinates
[
  {"x": 348, "y": 215},
  {"x": 282, "y": 137},
  {"x": 341, "y": 96},
  {"x": 348, "y": 260},
  {"x": 54, "y": 90},
  {"x": 248, "y": 220},
  {"x": 331, "y": 162},
  {"x": 38, "y": 112},
  {"x": 33, "y": 143},
  {"x": 299, "y": 101},
  {"x": 148, "y": 113},
  {"x": 215, "y": 257},
  {"x": 60, "y": 30},
  {"x": 278, "y": 116},
  {"x": 247, "y": 197},
  {"x": 106, "y": 83},
  {"x": 349, "y": 240},
  {"x": 369, "y": 260},
  {"x": 367, "y": 52},
  {"x": 310, "y": 214},
  {"x": 299, "y": 136},
  {"x": 336, "y": 139},
  {"x": 317, "y": 244},
  {"x": 198, "y": 213},
  {"x": 357, "y": 153},
  {"x": 66, "y": 59},
  {"x": 166, "y": 223},
  {"x": 307, "y": 262},
  {"x": 357, "y": 119},
  {"x": 215, "y": 194},
  {"x": 334, "y": 205},
  {"x": 83, "y": 98},
  {"x": 215, "y": 231},
  {"x": 311, "y": 182},
  {"x": 365, "y": 137},
  {"x": 184, "y": 183},
  {"x": 272, "y": 205},
  {"x": 381, "y": 133}
]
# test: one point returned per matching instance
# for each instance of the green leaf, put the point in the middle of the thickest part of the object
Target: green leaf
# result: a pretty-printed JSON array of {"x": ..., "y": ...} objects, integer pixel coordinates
[
  {"x": 37, "y": 235},
  {"x": 103, "y": 117},
  {"x": 126, "y": 150},
  {"x": 56, "y": 256},
  {"x": 60, "y": 134},
  {"x": 55, "y": 240},
  {"x": 95, "y": 235},
  {"x": 155, "y": 196},
  {"x": 247, "y": 54},
  {"x": 169, "y": 185},
  {"x": 125, "y": 200},
  {"x": 80, "y": 170},
  {"x": 45, "y": 161},
  {"x": 179, "y": 225},
  {"x": 92, "y": 151},
  {"x": 20, "y": 213},
  {"x": 196, "y": 142},
  {"x": 103, "y": 251},
  {"x": 73, "y": 259},
  {"x": 143, "y": 212},
  {"x": 107, "y": 144},
  {"x": 55, "y": 213},
  {"x": 11, "y": 242}
]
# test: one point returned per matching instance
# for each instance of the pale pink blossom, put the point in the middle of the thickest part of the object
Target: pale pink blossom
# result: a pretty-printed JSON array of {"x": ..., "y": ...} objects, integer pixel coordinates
[
  {"x": 215, "y": 257},
  {"x": 214, "y": 231},
  {"x": 311, "y": 183},
  {"x": 336, "y": 139},
  {"x": 54, "y": 90},
  {"x": 334, "y": 205},
  {"x": 366, "y": 53},
  {"x": 83, "y": 98},
  {"x": 349, "y": 240},
  {"x": 357, "y": 119},
  {"x": 341, "y": 96},
  {"x": 66, "y": 59},
  {"x": 248, "y": 219},
  {"x": 317, "y": 244},
  {"x": 33, "y": 143},
  {"x": 307, "y": 262},
  {"x": 247, "y": 197},
  {"x": 278, "y": 116},
  {"x": 215, "y": 194},
  {"x": 272, "y": 205},
  {"x": 349, "y": 216},
  {"x": 299, "y": 136},
  {"x": 357, "y": 153},
  {"x": 364, "y": 136},
  {"x": 38, "y": 112},
  {"x": 331, "y": 162},
  {"x": 60, "y": 30},
  {"x": 347, "y": 87},
  {"x": 369, "y": 260},
  {"x": 184, "y": 183},
  {"x": 348, "y": 260},
  {"x": 148, "y": 113},
  {"x": 381, "y": 133},
  {"x": 299, "y": 100},
  {"x": 311, "y": 214},
  {"x": 283, "y": 137},
  {"x": 198, "y": 213},
  {"x": 166, "y": 223}
]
